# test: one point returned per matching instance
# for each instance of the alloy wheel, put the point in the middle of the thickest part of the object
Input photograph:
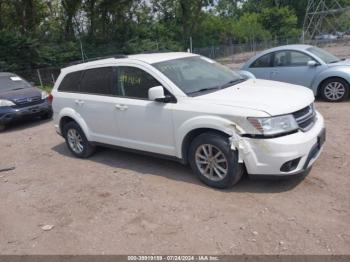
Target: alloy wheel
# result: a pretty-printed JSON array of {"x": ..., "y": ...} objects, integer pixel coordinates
[
  {"x": 211, "y": 162},
  {"x": 75, "y": 141},
  {"x": 334, "y": 91}
]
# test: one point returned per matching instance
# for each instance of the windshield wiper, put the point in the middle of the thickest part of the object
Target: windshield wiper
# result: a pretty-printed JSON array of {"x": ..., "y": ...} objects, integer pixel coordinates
[
  {"x": 18, "y": 88},
  {"x": 336, "y": 61},
  {"x": 232, "y": 82},
  {"x": 204, "y": 89}
]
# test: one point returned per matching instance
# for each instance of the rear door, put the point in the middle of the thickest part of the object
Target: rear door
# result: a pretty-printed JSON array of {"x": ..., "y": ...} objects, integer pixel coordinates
[{"x": 96, "y": 103}]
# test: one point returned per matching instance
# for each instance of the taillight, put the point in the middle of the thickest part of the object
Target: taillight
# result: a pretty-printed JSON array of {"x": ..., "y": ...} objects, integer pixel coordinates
[{"x": 50, "y": 98}]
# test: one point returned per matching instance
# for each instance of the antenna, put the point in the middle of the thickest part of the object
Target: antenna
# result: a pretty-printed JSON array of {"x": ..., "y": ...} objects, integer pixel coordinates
[{"x": 320, "y": 15}]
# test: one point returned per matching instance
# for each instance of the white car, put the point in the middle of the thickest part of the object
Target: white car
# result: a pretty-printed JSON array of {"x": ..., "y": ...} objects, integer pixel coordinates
[{"x": 189, "y": 108}]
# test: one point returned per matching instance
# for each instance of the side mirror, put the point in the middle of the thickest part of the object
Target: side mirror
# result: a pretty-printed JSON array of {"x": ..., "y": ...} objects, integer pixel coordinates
[
  {"x": 312, "y": 63},
  {"x": 156, "y": 93},
  {"x": 245, "y": 74}
]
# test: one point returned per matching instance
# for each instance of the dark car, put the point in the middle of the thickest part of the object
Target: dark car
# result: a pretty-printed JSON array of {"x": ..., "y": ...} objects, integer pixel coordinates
[{"x": 19, "y": 100}]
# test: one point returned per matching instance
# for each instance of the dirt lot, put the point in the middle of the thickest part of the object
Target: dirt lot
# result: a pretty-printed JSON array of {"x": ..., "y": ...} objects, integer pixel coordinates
[{"x": 123, "y": 203}]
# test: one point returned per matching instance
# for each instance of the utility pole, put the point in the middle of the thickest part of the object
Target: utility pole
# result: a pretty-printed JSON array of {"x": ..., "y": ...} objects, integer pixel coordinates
[
  {"x": 191, "y": 49},
  {"x": 81, "y": 50},
  {"x": 321, "y": 13}
]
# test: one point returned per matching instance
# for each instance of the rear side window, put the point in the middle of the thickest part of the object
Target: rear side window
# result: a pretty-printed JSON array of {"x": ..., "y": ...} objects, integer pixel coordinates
[
  {"x": 264, "y": 61},
  {"x": 134, "y": 82},
  {"x": 70, "y": 82},
  {"x": 97, "y": 81}
]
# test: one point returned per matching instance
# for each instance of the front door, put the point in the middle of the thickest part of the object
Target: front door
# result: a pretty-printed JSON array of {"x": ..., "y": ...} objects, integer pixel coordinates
[
  {"x": 142, "y": 124},
  {"x": 292, "y": 67}
]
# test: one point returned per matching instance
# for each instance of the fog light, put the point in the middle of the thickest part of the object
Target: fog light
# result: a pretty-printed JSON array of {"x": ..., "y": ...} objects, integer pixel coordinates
[{"x": 290, "y": 165}]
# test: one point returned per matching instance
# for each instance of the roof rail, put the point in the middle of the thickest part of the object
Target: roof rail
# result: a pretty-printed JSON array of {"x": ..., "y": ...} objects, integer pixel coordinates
[
  {"x": 163, "y": 50},
  {"x": 117, "y": 56}
]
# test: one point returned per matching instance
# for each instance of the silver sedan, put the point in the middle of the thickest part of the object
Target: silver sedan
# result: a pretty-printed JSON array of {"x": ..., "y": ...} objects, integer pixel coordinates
[{"x": 327, "y": 75}]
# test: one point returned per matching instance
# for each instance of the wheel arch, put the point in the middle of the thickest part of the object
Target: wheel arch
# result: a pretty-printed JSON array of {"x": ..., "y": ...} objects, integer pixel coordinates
[
  {"x": 192, "y": 135},
  {"x": 340, "y": 72},
  {"x": 68, "y": 115},
  {"x": 199, "y": 125}
]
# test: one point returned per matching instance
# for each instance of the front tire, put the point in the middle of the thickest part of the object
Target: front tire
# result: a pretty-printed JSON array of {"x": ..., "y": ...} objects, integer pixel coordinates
[
  {"x": 2, "y": 127},
  {"x": 77, "y": 141},
  {"x": 214, "y": 162},
  {"x": 335, "y": 89}
]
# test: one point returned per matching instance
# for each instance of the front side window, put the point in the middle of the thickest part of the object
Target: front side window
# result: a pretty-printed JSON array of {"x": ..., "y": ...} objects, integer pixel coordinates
[
  {"x": 291, "y": 59},
  {"x": 134, "y": 82},
  {"x": 97, "y": 81},
  {"x": 70, "y": 82},
  {"x": 196, "y": 75},
  {"x": 264, "y": 61}
]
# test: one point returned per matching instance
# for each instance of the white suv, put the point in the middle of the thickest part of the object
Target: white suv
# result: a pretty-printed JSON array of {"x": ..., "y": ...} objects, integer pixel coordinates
[{"x": 192, "y": 109}]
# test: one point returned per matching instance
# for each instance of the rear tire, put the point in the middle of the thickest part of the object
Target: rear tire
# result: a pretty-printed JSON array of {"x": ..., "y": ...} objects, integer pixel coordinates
[
  {"x": 214, "y": 162},
  {"x": 76, "y": 140},
  {"x": 335, "y": 89},
  {"x": 2, "y": 127}
]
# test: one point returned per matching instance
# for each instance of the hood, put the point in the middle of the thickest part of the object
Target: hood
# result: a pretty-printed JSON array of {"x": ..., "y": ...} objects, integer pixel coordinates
[
  {"x": 345, "y": 62},
  {"x": 274, "y": 98},
  {"x": 15, "y": 95}
]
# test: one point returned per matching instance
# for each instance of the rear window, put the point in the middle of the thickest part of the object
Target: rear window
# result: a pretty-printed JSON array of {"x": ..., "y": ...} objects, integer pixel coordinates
[
  {"x": 70, "y": 82},
  {"x": 97, "y": 81}
]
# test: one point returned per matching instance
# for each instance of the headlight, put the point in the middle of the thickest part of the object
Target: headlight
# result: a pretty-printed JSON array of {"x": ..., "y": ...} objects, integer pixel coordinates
[
  {"x": 4, "y": 102},
  {"x": 44, "y": 95},
  {"x": 274, "y": 125}
]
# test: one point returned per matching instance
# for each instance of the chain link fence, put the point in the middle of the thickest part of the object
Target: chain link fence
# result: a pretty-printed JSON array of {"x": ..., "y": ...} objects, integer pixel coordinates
[{"x": 235, "y": 53}]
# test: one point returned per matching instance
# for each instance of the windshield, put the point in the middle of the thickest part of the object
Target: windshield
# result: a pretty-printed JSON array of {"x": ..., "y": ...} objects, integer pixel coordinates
[
  {"x": 11, "y": 82},
  {"x": 197, "y": 75},
  {"x": 323, "y": 55}
]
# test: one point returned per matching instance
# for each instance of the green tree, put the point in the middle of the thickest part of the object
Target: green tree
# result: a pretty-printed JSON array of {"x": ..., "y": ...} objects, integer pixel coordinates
[
  {"x": 280, "y": 22},
  {"x": 254, "y": 32}
]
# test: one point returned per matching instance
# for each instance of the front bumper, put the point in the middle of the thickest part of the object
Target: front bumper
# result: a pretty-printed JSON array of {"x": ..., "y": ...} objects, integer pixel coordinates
[
  {"x": 267, "y": 156},
  {"x": 10, "y": 114}
]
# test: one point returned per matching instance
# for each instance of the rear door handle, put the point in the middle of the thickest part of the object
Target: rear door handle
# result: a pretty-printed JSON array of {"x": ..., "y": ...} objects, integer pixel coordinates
[
  {"x": 121, "y": 107},
  {"x": 79, "y": 102}
]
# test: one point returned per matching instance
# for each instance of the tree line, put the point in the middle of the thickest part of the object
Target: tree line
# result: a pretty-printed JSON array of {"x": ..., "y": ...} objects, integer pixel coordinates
[{"x": 38, "y": 33}]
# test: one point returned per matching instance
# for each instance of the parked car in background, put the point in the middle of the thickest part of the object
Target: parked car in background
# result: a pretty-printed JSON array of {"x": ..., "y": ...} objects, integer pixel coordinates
[
  {"x": 327, "y": 75},
  {"x": 19, "y": 99},
  {"x": 327, "y": 37},
  {"x": 189, "y": 108}
]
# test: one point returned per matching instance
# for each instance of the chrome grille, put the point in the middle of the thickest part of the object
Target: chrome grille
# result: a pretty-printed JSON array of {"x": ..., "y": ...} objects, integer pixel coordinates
[
  {"x": 305, "y": 117},
  {"x": 28, "y": 101}
]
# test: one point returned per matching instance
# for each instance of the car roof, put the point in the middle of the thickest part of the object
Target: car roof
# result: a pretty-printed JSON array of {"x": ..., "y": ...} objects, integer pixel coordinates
[
  {"x": 7, "y": 74},
  {"x": 288, "y": 47},
  {"x": 160, "y": 57},
  {"x": 150, "y": 58}
]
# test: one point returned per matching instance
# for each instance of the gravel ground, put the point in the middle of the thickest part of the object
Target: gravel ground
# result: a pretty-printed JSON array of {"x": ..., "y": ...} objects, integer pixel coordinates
[{"x": 124, "y": 203}]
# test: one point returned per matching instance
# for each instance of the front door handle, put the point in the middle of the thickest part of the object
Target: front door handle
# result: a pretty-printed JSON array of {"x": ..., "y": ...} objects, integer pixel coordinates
[
  {"x": 121, "y": 107},
  {"x": 79, "y": 102}
]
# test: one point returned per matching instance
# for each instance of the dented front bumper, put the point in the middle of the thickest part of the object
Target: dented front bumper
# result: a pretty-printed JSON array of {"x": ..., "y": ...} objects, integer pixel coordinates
[{"x": 267, "y": 156}]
